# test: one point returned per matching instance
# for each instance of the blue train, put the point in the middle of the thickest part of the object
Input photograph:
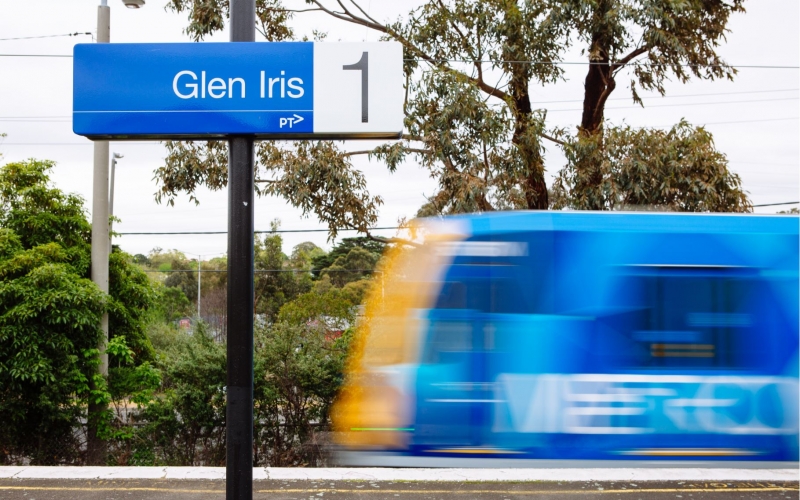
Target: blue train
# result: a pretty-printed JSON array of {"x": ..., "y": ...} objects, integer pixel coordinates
[{"x": 573, "y": 338}]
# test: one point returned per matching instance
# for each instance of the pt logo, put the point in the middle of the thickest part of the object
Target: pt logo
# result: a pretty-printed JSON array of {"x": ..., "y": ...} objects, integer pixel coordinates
[{"x": 292, "y": 120}]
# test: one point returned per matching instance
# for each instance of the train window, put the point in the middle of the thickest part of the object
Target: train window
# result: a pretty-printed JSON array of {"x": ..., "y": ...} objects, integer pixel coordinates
[
  {"x": 453, "y": 295},
  {"x": 501, "y": 296},
  {"x": 694, "y": 318},
  {"x": 447, "y": 337}
]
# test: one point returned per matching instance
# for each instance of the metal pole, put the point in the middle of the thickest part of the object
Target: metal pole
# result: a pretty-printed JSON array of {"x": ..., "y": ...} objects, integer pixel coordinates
[
  {"x": 100, "y": 233},
  {"x": 111, "y": 197},
  {"x": 239, "y": 416},
  {"x": 199, "y": 260}
]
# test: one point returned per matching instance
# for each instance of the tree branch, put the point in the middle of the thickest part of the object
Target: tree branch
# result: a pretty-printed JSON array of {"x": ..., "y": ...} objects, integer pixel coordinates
[
  {"x": 364, "y": 12},
  {"x": 293, "y": 10},
  {"x": 628, "y": 58},
  {"x": 349, "y": 17},
  {"x": 399, "y": 241},
  {"x": 464, "y": 42},
  {"x": 553, "y": 139},
  {"x": 368, "y": 151}
]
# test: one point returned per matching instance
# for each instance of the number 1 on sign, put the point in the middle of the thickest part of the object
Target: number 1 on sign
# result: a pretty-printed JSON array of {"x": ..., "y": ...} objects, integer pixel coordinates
[{"x": 363, "y": 66}]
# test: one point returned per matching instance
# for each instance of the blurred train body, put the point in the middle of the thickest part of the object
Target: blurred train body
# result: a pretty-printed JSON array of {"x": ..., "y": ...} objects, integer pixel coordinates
[{"x": 547, "y": 338}]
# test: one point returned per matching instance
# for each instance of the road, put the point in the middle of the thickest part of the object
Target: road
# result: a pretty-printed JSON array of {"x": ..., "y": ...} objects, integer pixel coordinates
[{"x": 171, "y": 489}]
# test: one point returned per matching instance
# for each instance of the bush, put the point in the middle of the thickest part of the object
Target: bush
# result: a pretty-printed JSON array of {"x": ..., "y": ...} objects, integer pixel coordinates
[{"x": 298, "y": 370}]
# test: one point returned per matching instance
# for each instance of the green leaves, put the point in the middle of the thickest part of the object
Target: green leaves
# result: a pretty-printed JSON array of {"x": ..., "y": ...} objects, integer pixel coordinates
[
  {"x": 314, "y": 176},
  {"x": 298, "y": 372},
  {"x": 675, "y": 170},
  {"x": 50, "y": 318},
  {"x": 319, "y": 179}
]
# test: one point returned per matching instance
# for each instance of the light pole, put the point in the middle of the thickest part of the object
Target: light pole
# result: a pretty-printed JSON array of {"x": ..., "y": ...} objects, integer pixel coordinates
[
  {"x": 101, "y": 237},
  {"x": 101, "y": 242},
  {"x": 100, "y": 232}
]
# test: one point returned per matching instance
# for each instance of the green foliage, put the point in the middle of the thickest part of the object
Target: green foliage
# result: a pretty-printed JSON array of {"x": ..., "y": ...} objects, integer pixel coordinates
[
  {"x": 49, "y": 328},
  {"x": 173, "y": 304},
  {"x": 654, "y": 41},
  {"x": 331, "y": 309},
  {"x": 207, "y": 17},
  {"x": 40, "y": 214},
  {"x": 678, "y": 170},
  {"x": 131, "y": 297},
  {"x": 141, "y": 260},
  {"x": 357, "y": 264},
  {"x": 343, "y": 248},
  {"x": 298, "y": 372},
  {"x": 164, "y": 398},
  {"x": 49, "y": 318},
  {"x": 303, "y": 255},
  {"x": 280, "y": 283},
  {"x": 185, "y": 423}
]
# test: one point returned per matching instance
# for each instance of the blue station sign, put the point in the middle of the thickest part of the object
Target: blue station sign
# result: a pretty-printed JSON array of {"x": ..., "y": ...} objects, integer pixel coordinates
[{"x": 269, "y": 90}]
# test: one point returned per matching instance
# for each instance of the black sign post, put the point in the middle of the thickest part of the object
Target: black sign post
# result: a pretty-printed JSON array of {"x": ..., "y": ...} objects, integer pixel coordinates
[{"x": 239, "y": 416}]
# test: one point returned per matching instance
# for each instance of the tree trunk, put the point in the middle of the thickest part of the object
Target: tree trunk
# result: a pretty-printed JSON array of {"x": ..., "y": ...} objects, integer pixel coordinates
[
  {"x": 533, "y": 184},
  {"x": 598, "y": 87},
  {"x": 96, "y": 448},
  {"x": 599, "y": 82}
]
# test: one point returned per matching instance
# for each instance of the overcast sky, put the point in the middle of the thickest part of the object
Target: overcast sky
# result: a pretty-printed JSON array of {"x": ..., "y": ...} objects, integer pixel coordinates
[{"x": 754, "y": 119}]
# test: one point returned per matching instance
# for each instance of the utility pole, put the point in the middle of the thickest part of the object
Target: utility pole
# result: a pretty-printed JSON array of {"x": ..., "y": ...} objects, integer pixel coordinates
[
  {"x": 239, "y": 415},
  {"x": 96, "y": 448},
  {"x": 199, "y": 260}
]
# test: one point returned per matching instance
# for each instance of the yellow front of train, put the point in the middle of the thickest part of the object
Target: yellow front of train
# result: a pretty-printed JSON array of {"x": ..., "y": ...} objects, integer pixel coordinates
[{"x": 375, "y": 407}]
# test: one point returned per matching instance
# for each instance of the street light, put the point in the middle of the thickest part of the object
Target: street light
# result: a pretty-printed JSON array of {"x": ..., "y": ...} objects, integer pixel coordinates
[
  {"x": 101, "y": 237},
  {"x": 115, "y": 157}
]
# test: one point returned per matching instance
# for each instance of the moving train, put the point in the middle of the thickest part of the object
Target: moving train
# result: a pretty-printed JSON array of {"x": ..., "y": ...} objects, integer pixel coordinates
[{"x": 578, "y": 339}]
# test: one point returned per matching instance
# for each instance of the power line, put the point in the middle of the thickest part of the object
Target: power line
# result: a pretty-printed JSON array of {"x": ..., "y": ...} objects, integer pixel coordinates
[
  {"x": 127, "y": 143},
  {"x": 144, "y": 143},
  {"x": 265, "y": 271},
  {"x": 750, "y": 121},
  {"x": 654, "y": 96},
  {"x": 47, "y": 36},
  {"x": 65, "y": 119},
  {"x": 678, "y": 96},
  {"x": 256, "y": 232},
  {"x": 684, "y": 104},
  {"x": 777, "y": 204},
  {"x": 550, "y": 63},
  {"x": 725, "y": 123},
  {"x": 609, "y": 63},
  {"x": 37, "y": 55},
  {"x": 763, "y": 164}
]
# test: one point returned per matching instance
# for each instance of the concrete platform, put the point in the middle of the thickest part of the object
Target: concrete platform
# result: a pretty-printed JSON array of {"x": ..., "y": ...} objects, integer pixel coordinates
[
  {"x": 405, "y": 474},
  {"x": 298, "y": 489}
]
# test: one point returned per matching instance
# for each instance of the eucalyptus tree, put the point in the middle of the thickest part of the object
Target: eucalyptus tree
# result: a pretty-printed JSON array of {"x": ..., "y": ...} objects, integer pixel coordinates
[{"x": 469, "y": 68}]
